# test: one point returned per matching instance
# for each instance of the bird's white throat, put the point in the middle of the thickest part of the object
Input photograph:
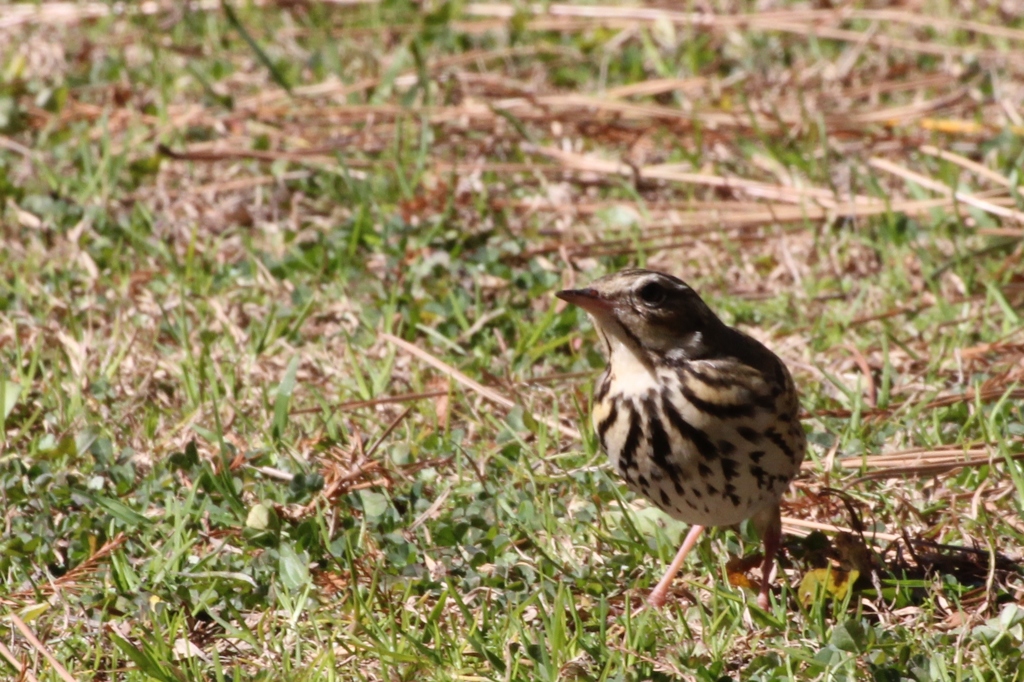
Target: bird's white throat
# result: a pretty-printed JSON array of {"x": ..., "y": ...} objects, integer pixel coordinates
[{"x": 632, "y": 376}]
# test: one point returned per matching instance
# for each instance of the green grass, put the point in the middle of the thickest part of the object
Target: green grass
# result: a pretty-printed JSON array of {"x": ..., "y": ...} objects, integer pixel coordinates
[{"x": 198, "y": 479}]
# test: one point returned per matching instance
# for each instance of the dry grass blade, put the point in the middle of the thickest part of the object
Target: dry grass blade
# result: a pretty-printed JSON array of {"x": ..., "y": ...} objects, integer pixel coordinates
[
  {"x": 338, "y": 90},
  {"x": 40, "y": 647},
  {"x": 917, "y": 462},
  {"x": 484, "y": 391},
  {"x": 542, "y": 106},
  {"x": 384, "y": 400},
  {"x": 430, "y": 511},
  {"x": 901, "y": 115},
  {"x": 912, "y": 457},
  {"x": 799, "y": 21},
  {"x": 934, "y": 185},
  {"x": 75, "y": 12},
  {"x": 929, "y": 20},
  {"x": 22, "y": 669},
  {"x": 656, "y": 86},
  {"x": 814, "y": 202},
  {"x": 10, "y": 145},
  {"x": 797, "y": 526},
  {"x": 985, "y": 395},
  {"x": 670, "y": 172},
  {"x": 968, "y": 164},
  {"x": 915, "y": 46},
  {"x": 708, "y": 225},
  {"x": 928, "y": 467}
]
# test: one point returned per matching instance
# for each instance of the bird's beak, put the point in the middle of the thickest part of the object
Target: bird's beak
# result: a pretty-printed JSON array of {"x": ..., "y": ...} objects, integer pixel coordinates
[{"x": 588, "y": 299}]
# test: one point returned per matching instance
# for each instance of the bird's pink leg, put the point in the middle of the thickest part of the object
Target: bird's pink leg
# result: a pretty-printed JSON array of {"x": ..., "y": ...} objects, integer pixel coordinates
[
  {"x": 772, "y": 537},
  {"x": 660, "y": 591}
]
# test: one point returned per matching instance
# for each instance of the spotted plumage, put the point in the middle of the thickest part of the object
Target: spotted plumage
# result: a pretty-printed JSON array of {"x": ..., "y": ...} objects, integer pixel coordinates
[{"x": 695, "y": 415}]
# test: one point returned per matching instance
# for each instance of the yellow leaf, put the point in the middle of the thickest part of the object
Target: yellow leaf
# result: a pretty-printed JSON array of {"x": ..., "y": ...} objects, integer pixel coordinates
[{"x": 833, "y": 583}]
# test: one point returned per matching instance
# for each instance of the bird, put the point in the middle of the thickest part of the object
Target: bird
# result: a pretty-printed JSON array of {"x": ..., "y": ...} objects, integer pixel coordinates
[{"x": 697, "y": 416}]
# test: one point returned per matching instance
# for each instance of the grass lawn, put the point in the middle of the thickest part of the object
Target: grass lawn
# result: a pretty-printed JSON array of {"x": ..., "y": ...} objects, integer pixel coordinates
[{"x": 285, "y": 393}]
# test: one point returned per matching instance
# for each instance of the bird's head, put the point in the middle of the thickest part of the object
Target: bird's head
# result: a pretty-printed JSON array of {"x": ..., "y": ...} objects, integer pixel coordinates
[{"x": 654, "y": 316}]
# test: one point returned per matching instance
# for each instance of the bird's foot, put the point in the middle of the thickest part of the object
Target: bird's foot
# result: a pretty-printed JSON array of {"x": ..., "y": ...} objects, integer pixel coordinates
[{"x": 657, "y": 597}]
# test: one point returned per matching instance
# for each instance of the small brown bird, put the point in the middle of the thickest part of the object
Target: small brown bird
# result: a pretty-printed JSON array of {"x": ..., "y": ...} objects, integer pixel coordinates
[{"x": 697, "y": 416}]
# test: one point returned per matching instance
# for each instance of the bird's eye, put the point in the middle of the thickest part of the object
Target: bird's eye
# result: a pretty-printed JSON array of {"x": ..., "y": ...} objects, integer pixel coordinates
[{"x": 652, "y": 293}]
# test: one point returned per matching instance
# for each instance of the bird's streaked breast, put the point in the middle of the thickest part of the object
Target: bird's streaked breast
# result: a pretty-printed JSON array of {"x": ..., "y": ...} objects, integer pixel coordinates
[{"x": 703, "y": 455}]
